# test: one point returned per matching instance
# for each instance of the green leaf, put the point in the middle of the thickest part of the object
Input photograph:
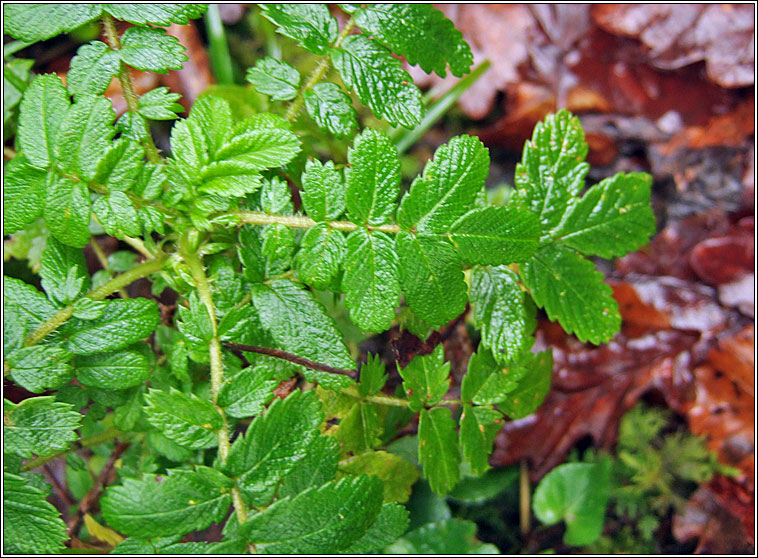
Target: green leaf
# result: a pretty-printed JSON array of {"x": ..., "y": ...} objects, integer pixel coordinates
[
  {"x": 118, "y": 370},
  {"x": 159, "y": 506},
  {"x": 612, "y": 218},
  {"x": 67, "y": 210},
  {"x": 123, "y": 322},
  {"x": 195, "y": 322},
  {"x": 273, "y": 444},
  {"x": 121, "y": 166},
  {"x": 426, "y": 379},
  {"x": 16, "y": 78},
  {"x": 31, "y": 306},
  {"x": 372, "y": 178},
  {"x": 503, "y": 311},
  {"x": 397, "y": 474},
  {"x": 300, "y": 325},
  {"x": 322, "y": 250},
  {"x": 39, "y": 368},
  {"x": 323, "y": 192},
  {"x": 151, "y": 50},
  {"x": 331, "y": 109},
  {"x": 244, "y": 394},
  {"x": 23, "y": 194},
  {"x": 274, "y": 78},
  {"x": 31, "y": 525},
  {"x": 379, "y": 80},
  {"x": 37, "y": 22},
  {"x": 373, "y": 376},
  {"x": 576, "y": 493},
  {"x": 318, "y": 521},
  {"x": 371, "y": 281},
  {"x": 479, "y": 426},
  {"x": 126, "y": 416},
  {"x": 438, "y": 449},
  {"x": 310, "y": 24},
  {"x": 184, "y": 419},
  {"x": 391, "y": 522},
  {"x": 156, "y": 14},
  {"x": 478, "y": 490},
  {"x": 160, "y": 104},
  {"x": 572, "y": 291},
  {"x": 88, "y": 309},
  {"x": 63, "y": 272},
  {"x": 117, "y": 215},
  {"x": 43, "y": 107},
  {"x": 448, "y": 187},
  {"x": 361, "y": 428},
  {"x": 317, "y": 467},
  {"x": 38, "y": 425},
  {"x": 420, "y": 33},
  {"x": 449, "y": 536},
  {"x": 431, "y": 275},
  {"x": 552, "y": 169},
  {"x": 495, "y": 235},
  {"x": 85, "y": 135},
  {"x": 532, "y": 388},
  {"x": 92, "y": 69}
]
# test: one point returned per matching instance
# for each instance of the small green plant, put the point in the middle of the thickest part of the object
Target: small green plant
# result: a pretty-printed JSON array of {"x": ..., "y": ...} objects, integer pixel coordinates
[{"x": 192, "y": 395}]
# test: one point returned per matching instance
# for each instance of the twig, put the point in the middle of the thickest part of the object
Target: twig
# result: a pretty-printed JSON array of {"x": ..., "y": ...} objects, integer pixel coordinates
[
  {"x": 60, "y": 490},
  {"x": 276, "y": 353}
]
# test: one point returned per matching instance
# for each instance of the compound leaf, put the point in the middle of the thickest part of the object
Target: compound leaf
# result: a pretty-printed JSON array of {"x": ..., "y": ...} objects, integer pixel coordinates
[
  {"x": 274, "y": 78},
  {"x": 426, "y": 379},
  {"x": 92, "y": 69},
  {"x": 63, "y": 272},
  {"x": 448, "y": 187},
  {"x": 322, "y": 250},
  {"x": 160, "y": 104},
  {"x": 391, "y": 522},
  {"x": 310, "y": 24},
  {"x": 379, "y": 80},
  {"x": 39, "y": 368},
  {"x": 121, "y": 165},
  {"x": 572, "y": 291},
  {"x": 23, "y": 194},
  {"x": 370, "y": 281},
  {"x": 156, "y": 14},
  {"x": 318, "y": 521},
  {"x": 117, "y": 215},
  {"x": 39, "y": 425},
  {"x": 43, "y": 107},
  {"x": 118, "y": 370},
  {"x": 37, "y": 22},
  {"x": 479, "y": 426},
  {"x": 331, "y": 109},
  {"x": 438, "y": 449},
  {"x": 323, "y": 192},
  {"x": 184, "y": 419},
  {"x": 151, "y": 50},
  {"x": 67, "y": 210},
  {"x": 244, "y": 394}
]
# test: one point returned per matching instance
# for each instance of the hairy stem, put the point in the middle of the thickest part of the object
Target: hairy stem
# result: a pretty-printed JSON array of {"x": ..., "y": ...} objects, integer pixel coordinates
[
  {"x": 217, "y": 365},
  {"x": 130, "y": 96},
  {"x": 302, "y": 222},
  {"x": 317, "y": 75},
  {"x": 118, "y": 282},
  {"x": 95, "y": 439}
]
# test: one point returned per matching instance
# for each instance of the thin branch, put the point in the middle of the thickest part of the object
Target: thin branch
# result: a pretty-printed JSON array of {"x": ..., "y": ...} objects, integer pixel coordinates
[
  {"x": 302, "y": 222},
  {"x": 276, "y": 353},
  {"x": 103, "y": 259}
]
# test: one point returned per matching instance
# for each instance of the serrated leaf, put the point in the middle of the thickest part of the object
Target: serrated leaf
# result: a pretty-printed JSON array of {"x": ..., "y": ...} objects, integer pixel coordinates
[
  {"x": 117, "y": 215},
  {"x": 552, "y": 169},
  {"x": 39, "y": 425},
  {"x": 331, "y": 109},
  {"x": 479, "y": 426},
  {"x": 310, "y": 24},
  {"x": 317, "y": 467},
  {"x": 23, "y": 194},
  {"x": 426, "y": 379},
  {"x": 39, "y": 368},
  {"x": 360, "y": 429},
  {"x": 43, "y": 107},
  {"x": 373, "y": 376},
  {"x": 30, "y": 306},
  {"x": 371, "y": 281},
  {"x": 300, "y": 325},
  {"x": 578, "y": 494},
  {"x": 391, "y": 522},
  {"x": 503, "y": 311},
  {"x": 67, "y": 210},
  {"x": 273, "y": 444},
  {"x": 156, "y": 14},
  {"x": 323, "y": 192},
  {"x": 160, "y": 104},
  {"x": 420, "y": 33},
  {"x": 318, "y": 521},
  {"x": 156, "y": 506},
  {"x": 397, "y": 474},
  {"x": 121, "y": 165},
  {"x": 151, "y": 50},
  {"x": 612, "y": 218},
  {"x": 454, "y": 537},
  {"x": 322, "y": 250},
  {"x": 126, "y": 416},
  {"x": 36, "y": 22},
  {"x": 532, "y": 388},
  {"x": 431, "y": 275},
  {"x": 123, "y": 322},
  {"x": 438, "y": 449},
  {"x": 274, "y": 78},
  {"x": 31, "y": 525},
  {"x": 92, "y": 69},
  {"x": 448, "y": 187},
  {"x": 16, "y": 78},
  {"x": 88, "y": 309},
  {"x": 119, "y": 370},
  {"x": 495, "y": 235},
  {"x": 572, "y": 291},
  {"x": 63, "y": 272},
  {"x": 244, "y": 394},
  {"x": 184, "y": 419}
]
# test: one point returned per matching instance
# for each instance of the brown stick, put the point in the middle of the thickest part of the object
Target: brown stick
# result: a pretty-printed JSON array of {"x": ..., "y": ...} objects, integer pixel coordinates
[{"x": 276, "y": 353}]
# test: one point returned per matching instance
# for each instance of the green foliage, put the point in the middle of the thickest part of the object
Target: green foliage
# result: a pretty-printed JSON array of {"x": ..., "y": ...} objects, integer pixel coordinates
[
  {"x": 31, "y": 525},
  {"x": 449, "y": 536},
  {"x": 39, "y": 425}
]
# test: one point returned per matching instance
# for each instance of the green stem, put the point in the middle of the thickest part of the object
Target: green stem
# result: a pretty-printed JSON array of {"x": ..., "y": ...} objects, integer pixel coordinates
[
  {"x": 218, "y": 48},
  {"x": 103, "y": 259},
  {"x": 95, "y": 439},
  {"x": 302, "y": 222},
  {"x": 130, "y": 96},
  {"x": 217, "y": 366},
  {"x": 382, "y": 399},
  {"x": 317, "y": 75},
  {"x": 118, "y": 282}
]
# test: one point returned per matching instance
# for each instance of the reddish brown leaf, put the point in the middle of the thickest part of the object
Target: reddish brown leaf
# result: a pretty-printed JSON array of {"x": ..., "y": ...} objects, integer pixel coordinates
[{"x": 195, "y": 75}]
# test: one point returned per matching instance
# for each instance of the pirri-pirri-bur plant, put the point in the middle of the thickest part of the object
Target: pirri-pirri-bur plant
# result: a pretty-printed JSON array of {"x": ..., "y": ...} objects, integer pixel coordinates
[{"x": 263, "y": 283}]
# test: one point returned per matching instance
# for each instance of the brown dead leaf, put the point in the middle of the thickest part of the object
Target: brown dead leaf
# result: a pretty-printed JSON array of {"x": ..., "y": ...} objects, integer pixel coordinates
[{"x": 195, "y": 75}]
